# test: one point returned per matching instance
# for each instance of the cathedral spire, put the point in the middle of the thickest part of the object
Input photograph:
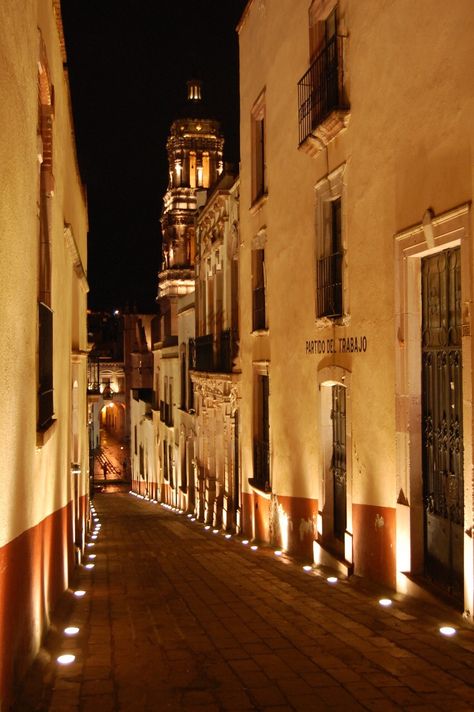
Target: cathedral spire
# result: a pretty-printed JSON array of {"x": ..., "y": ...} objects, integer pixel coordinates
[{"x": 195, "y": 161}]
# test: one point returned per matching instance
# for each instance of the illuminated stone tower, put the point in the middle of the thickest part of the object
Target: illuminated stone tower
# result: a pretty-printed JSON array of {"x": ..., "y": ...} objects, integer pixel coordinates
[{"x": 194, "y": 146}]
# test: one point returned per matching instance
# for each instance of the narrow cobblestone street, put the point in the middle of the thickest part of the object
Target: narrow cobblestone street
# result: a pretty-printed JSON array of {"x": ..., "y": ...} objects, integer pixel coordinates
[{"x": 176, "y": 617}]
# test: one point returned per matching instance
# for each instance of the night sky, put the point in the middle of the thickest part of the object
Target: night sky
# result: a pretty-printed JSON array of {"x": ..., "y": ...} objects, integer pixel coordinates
[{"x": 128, "y": 66}]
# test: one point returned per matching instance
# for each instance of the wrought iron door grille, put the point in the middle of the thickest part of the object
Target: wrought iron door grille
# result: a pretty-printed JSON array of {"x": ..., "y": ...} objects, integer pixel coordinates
[
  {"x": 338, "y": 464},
  {"x": 443, "y": 482}
]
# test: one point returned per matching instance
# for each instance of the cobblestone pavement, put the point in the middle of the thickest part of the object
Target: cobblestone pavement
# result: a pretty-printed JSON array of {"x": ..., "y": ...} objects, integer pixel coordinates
[{"x": 175, "y": 617}]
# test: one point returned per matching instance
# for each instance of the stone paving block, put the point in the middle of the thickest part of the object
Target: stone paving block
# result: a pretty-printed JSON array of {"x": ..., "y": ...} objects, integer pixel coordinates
[
  {"x": 97, "y": 687},
  {"x": 102, "y": 703},
  {"x": 267, "y": 696},
  {"x": 401, "y": 695},
  {"x": 294, "y": 686}
]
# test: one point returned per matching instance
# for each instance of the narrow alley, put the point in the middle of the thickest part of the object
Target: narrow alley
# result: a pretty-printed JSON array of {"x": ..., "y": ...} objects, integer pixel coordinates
[{"x": 176, "y": 616}]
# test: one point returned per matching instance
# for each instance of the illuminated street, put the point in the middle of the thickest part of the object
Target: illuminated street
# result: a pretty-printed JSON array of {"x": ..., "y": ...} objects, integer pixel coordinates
[{"x": 178, "y": 617}]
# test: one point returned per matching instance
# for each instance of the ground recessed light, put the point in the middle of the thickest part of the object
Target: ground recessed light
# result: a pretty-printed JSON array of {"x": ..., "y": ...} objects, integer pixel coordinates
[
  {"x": 447, "y": 630},
  {"x": 207, "y": 527},
  {"x": 254, "y": 547},
  {"x": 92, "y": 556},
  {"x": 79, "y": 593},
  {"x": 215, "y": 531},
  {"x": 245, "y": 542},
  {"x": 189, "y": 516},
  {"x": 71, "y": 630},
  {"x": 94, "y": 536},
  {"x": 89, "y": 566},
  {"x": 228, "y": 536},
  {"x": 66, "y": 659},
  {"x": 193, "y": 519},
  {"x": 331, "y": 579},
  {"x": 385, "y": 602},
  {"x": 90, "y": 543},
  {"x": 278, "y": 552},
  {"x": 307, "y": 567}
]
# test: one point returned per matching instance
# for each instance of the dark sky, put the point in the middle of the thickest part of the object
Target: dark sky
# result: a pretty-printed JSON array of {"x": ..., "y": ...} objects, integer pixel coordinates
[{"x": 128, "y": 66}]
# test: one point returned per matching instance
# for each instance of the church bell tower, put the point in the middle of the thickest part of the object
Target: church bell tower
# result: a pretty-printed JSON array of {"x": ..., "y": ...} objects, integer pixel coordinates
[{"x": 195, "y": 159}]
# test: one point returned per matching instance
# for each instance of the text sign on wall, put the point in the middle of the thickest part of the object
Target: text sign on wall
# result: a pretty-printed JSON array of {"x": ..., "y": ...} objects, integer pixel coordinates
[{"x": 341, "y": 345}]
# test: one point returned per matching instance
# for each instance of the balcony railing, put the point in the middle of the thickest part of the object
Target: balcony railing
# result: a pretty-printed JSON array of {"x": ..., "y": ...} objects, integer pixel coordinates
[
  {"x": 320, "y": 90},
  {"x": 329, "y": 285},
  {"x": 214, "y": 355}
]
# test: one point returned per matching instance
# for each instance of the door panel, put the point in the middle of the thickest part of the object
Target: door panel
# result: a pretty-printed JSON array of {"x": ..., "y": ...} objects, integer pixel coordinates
[{"x": 442, "y": 418}]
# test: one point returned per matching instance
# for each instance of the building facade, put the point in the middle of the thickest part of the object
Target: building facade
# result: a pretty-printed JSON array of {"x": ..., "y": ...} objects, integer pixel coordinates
[
  {"x": 355, "y": 286},
  {"x": 216, "y": 367},
  {"x": 43, "y": 422}
]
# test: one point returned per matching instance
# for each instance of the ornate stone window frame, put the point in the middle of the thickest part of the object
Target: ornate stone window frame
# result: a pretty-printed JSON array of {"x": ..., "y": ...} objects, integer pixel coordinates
[{"x": 329, "y": 188}]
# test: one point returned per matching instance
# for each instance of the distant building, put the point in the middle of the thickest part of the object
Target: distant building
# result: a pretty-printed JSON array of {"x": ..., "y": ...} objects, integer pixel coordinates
[
  {"x": 355, "y": 287},
  {"x": 216, "y": 366},
  {"x": 43, "y": 349},
  {"x": 195, "y": 157}
]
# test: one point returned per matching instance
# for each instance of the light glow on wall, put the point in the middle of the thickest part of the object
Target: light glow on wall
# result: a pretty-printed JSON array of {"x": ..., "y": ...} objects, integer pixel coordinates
[{"x": 284, "y": 522}]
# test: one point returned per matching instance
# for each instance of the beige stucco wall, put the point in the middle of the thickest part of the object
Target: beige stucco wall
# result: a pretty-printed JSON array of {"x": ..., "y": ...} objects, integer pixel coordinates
[
  {"x": 37, "y": 480},
  {"x": 408, "y": 147}
]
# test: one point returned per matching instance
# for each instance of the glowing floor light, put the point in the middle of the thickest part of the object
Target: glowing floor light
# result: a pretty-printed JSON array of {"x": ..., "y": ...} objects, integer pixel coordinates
[
  {"x": 66, "y": 659},
  {"x": 207, "y": 527},
  {"x": 278, "y": 552},
  {"x": 447, "y": 630},
  {"x": 92, "y": 556},
  {"x": 254, "y": 547},
  {"x": 385, "y": 602},
  {"x": 89, "y": 566},
  {"x": 331, "y": 579},
  {"x": 245, "y": 542},
  {"x": 71, "y": 630},
  {"x": 307, "y": 567},
  {"x": 215, "y": 531},
  {"x": 90, "y": 543},
  {"x": 79, "y": 593}
]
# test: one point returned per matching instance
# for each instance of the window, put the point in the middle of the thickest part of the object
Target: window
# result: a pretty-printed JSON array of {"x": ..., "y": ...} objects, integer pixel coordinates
[
  {"x": 258, "y": 288},
  {"x": 192, "y": 169},
  {"x": 206, "y": 170},
  {"x": 331, "y": 300},
  {"x": 45, "y": 404},
  {"x": 183, "y": 377},
  {"x": 329, "y": 269},
  {"x": 170, "y": 404},
  {"x": 261, "y": 451},
  {"x": 165, "y": 460},
  {"x": 191, "y": 366},
  {"x": 259, "y": 167}
]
